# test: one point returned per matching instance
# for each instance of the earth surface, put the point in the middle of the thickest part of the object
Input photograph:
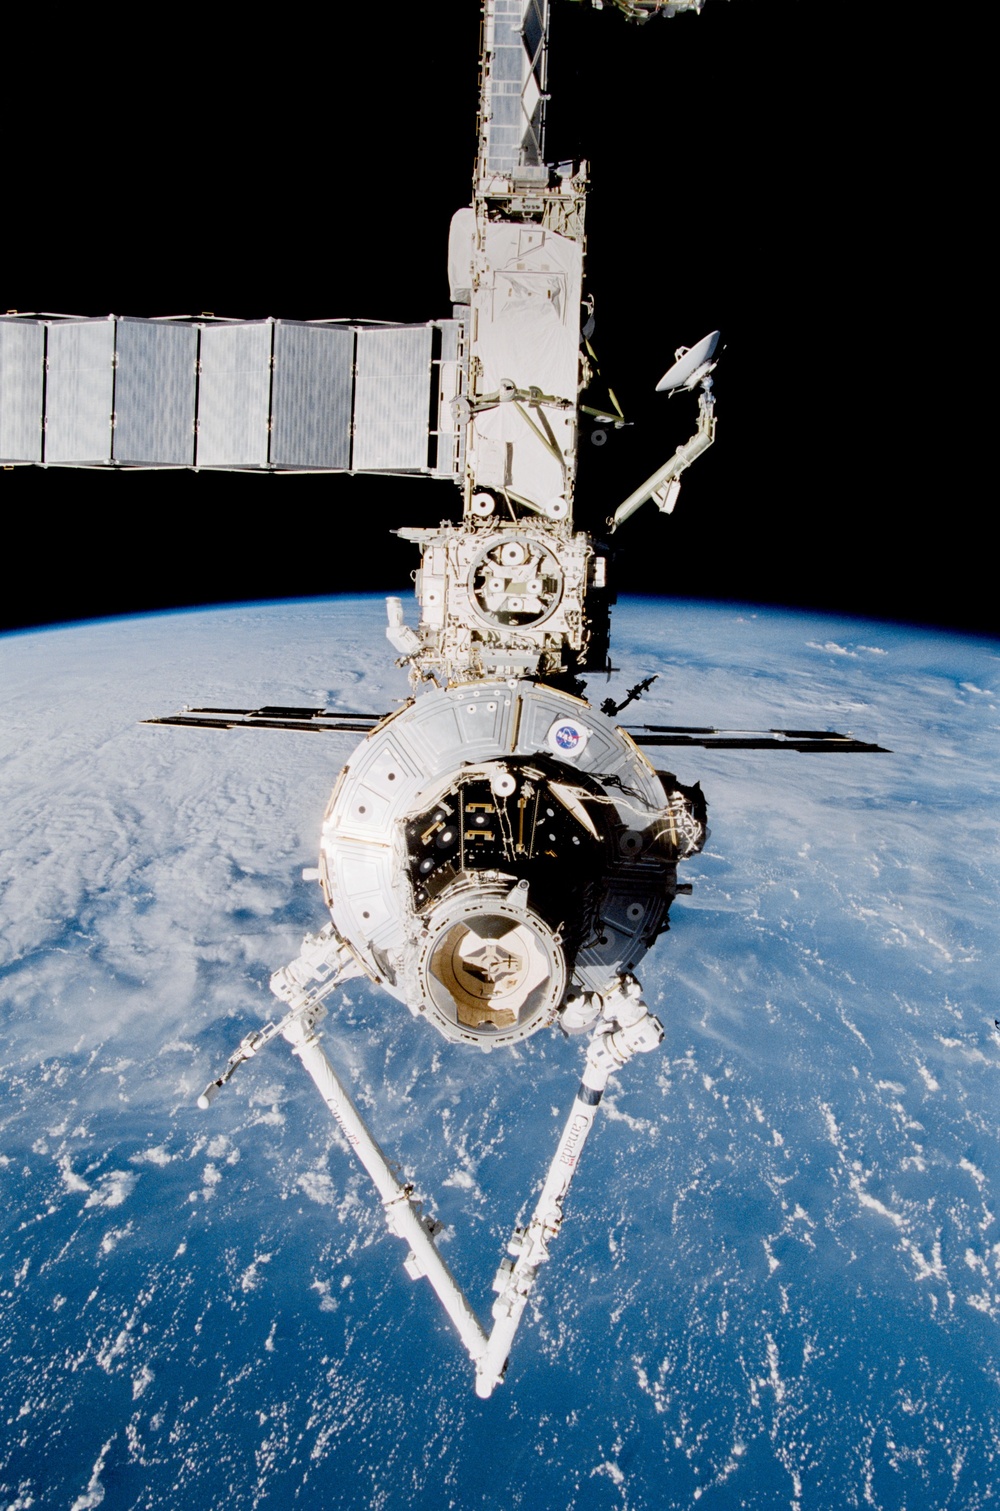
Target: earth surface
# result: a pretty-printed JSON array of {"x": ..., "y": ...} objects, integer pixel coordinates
[{"x": 778, "y": 1282}]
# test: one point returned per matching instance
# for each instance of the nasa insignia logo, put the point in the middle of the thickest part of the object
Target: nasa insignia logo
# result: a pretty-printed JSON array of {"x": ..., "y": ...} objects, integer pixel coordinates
[{"x": 567, "y": 738}]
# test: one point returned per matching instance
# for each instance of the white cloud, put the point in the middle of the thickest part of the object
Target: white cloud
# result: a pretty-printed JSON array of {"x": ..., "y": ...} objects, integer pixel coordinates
[{"x": 112, "y": 1188}]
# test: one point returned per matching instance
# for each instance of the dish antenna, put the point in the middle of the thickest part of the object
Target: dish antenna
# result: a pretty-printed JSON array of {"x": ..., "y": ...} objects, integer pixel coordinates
[{"x": 692, "y": 365}]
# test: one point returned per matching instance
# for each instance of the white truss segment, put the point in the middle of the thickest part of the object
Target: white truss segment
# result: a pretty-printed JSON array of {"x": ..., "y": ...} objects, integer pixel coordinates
[{"x": 526, "y": 361}]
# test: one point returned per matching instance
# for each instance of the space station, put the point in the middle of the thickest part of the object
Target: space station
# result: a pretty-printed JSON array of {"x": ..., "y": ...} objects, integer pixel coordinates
[{"x": 497, "y": 855}]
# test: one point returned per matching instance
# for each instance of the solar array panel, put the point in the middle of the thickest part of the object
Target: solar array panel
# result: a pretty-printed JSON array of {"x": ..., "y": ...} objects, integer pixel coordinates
[
  {"x": 155, "y": 384},
  {"x": 390, "y": 421},
  {"x": 234, "y": 395},
  {"x": 312, "y": 403},
  {"x": 273, "y": 395},
  {"x": 514, "y": 70},
  {"x": 79, "y": 391},
  {"x": 22, "y": 385}
]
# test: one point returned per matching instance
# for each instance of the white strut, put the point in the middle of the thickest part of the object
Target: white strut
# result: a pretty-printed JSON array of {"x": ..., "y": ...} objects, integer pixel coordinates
[
  {"x": 402, "y": 1214},
  {"x": 628, "y": 1028}
]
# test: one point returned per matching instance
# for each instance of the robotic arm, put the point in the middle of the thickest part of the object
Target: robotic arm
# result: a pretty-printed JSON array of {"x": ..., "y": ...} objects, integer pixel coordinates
[{"x": 693, "y": 368}]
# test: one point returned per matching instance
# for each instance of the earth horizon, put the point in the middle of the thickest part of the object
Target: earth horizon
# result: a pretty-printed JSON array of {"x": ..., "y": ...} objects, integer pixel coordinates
[{"x": 778, "y": 1281}]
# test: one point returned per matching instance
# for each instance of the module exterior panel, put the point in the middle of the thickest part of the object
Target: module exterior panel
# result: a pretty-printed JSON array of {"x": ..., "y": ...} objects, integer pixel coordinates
[
  {"x": 392, "y": 399},
  {"x": 22, "y": 380},
  {"x": 155, "y": 393},
  {"x": 312, "y": 395},
  {"x": 79, "y": 391},
  {"x": 234, "y": 395}
]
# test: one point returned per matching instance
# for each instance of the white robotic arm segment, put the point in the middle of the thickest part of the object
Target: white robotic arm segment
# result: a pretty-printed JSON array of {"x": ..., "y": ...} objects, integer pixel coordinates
[
  {"x": 630, "y": 1029},
  {"x": 663, "y": 486},
  {"x": 323, "y": 963},
  {"x": 398, "y": 633},
  {"x": 613, "y": 1047}
]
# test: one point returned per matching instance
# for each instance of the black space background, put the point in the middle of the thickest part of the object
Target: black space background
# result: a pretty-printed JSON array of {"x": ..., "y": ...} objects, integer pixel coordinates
[{"x": 796, "y": 173}]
